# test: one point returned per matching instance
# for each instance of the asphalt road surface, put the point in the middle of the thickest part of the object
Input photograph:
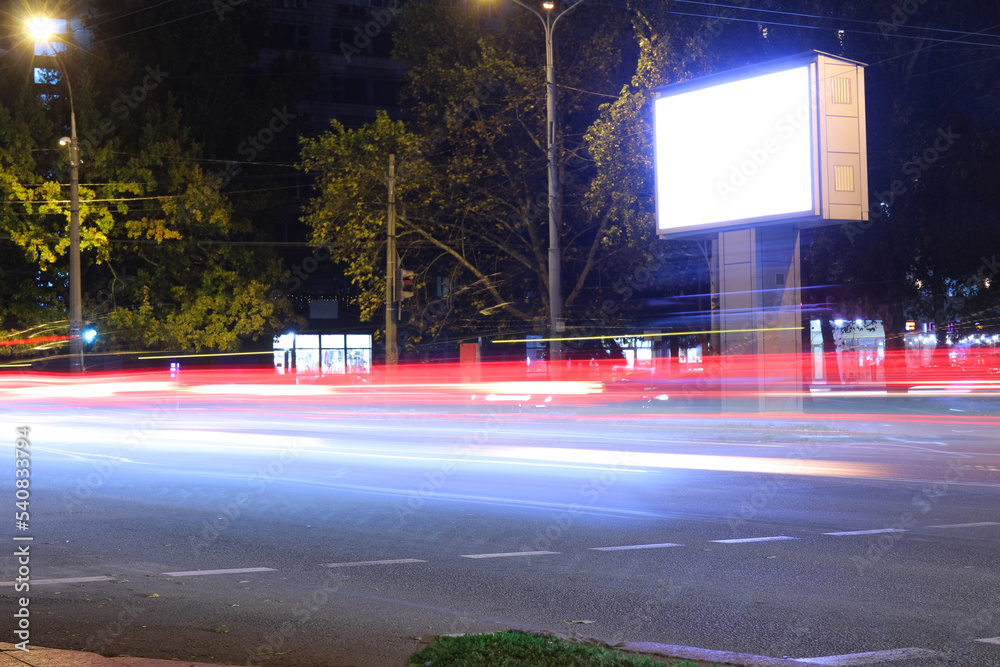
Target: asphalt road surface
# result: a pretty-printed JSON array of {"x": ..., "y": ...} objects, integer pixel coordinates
[{"x": 282, "y": 534}]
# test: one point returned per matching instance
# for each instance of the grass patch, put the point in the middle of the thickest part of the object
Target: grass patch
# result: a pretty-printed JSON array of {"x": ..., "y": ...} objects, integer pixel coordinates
[{"x": 514, "y": 649}]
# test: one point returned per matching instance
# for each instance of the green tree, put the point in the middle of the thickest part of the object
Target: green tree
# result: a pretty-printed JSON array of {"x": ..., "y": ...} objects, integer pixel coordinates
[
  {"x": 620, "y": 142},
  {"x": 474, "y": 207},
  {"x": 167, "y": 261},
  {"x": 926, "y": 252},
  {"x": 349, "y": 211}
]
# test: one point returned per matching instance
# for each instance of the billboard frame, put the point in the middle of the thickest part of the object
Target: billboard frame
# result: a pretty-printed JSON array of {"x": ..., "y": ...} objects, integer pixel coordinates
[{"x": 837, "y": 136}]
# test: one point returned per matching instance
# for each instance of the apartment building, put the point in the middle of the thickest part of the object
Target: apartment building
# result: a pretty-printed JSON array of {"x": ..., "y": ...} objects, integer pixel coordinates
[{"x": 352, "y": 42}]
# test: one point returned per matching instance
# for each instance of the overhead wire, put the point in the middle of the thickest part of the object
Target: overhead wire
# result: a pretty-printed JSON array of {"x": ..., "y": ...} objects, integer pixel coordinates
[
  {"x": 159, "y": 25},
  {"x": 840, "y": 19},
  {"x": 137, "y": 11},
  {"x": 862, "y": 32}
]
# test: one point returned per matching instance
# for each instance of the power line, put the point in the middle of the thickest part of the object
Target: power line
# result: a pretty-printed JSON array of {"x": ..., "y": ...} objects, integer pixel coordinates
[
  {"x": 860, "y": 32},
  {"x": 158, "y": 25},
  {"x": 832, "y": 18},
  {"x": 137, "y": 11},
  {"x": 835, "y": 19}
]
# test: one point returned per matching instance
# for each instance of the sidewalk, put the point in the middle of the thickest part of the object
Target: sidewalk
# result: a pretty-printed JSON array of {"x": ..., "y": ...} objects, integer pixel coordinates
[
  {"x": 50, "y": 657},
  {"x": 10, "y": 656}
]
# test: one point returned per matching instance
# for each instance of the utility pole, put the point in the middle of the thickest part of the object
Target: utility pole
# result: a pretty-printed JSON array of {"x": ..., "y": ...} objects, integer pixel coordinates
[
  {"x": 556, "y": 325},
  {"x": 391, "y": 315},
  {"x": 75, "y": 291}
]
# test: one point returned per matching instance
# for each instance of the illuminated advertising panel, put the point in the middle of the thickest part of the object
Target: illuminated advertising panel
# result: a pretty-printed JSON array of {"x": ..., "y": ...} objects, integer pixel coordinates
[{"x": 763, "y": 145}]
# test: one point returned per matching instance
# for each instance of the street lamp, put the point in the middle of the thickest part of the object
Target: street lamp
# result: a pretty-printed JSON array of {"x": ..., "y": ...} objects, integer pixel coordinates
[
  {"x": 555, "y": 291},
  {"x": 41, "y": 30}
]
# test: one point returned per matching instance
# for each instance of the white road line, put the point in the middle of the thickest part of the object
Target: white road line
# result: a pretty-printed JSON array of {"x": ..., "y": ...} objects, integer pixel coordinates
[
  {"x": 513, "y": 553},
  {"x": 755, "y": 539},
  {"x": 195, "y": 573},
  {"x": 873, "y": 658},
  {"x": 870, "y": 532},
  {"x": 990, "y": 640},
  {"x": 967, "y": 525},
  {"x": 636, "y": 546},
  {"x": 376, "y": 562},
  {"x": 70, "y": 580}
]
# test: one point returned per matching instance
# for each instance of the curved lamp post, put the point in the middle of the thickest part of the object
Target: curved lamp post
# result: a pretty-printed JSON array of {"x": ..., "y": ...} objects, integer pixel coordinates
[
  {"x": 555, "y": 274},
  {"x": 40, "y": 30}
]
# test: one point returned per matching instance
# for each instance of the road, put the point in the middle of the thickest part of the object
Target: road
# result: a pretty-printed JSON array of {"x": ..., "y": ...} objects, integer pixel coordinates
[{"x": 256, "y": 532}]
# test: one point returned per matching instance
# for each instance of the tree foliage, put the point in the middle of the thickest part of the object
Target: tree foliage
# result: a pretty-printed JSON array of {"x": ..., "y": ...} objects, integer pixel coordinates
[
  {"x": 351, "y": 168},
  {"x": 474, "y": 202},
  {"x": 168, "y": 261},
  {"x": 927, "y": 250}
]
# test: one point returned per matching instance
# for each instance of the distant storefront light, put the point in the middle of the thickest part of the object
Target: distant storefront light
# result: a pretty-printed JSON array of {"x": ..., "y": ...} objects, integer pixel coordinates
[{"x": 323, "y": 354}]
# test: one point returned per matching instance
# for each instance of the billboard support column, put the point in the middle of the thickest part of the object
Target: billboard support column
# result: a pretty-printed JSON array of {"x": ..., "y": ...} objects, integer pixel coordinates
[{"x": 760, "y": 318}]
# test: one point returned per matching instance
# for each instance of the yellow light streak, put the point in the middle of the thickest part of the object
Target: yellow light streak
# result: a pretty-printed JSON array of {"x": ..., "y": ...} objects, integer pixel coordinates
[
  {"x": 648, "y": 335},
  {"x": 213, "y": 354}
]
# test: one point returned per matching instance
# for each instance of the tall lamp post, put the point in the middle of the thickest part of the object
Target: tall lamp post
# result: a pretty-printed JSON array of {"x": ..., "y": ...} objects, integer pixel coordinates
[
  {"x": 41, "y": 31},
  {"x": 555, "y": 275}
]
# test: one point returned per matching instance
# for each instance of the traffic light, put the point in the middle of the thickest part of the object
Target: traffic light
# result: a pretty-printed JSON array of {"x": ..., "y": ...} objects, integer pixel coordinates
[
  {"x": 404, "y": 284},
  {"x": 88, "y": 335}
]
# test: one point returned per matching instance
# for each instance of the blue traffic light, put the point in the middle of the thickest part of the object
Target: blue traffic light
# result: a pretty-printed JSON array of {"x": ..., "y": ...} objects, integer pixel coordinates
[{"x": 89, "y": 335}]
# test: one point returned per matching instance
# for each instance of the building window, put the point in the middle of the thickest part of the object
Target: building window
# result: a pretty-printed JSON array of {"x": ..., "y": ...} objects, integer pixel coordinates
[
  {"x": 355, "y": 90},
  {"x": 350, "y": 89},
  {"x": 353, "y": 11},
  {"x": 323, "y": 354},
  {"x": 282, "y": 36},
  {"x": 288, "y": 37},
  {"x": 302, "y": 38},
  {"x": 384, "y": 93},
  {"x": 381, "y": 46},
  {"x": 47, "y": 76},
  {"x": 339, "y": 37}
]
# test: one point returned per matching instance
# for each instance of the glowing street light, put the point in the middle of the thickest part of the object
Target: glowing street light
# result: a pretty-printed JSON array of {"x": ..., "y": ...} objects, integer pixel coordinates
[
  {"x": 43, "y": 30},
  {"x": 555, "y": 273}
]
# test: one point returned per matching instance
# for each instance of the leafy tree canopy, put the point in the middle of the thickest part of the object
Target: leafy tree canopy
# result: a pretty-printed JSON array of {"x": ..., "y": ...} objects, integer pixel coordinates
[
  {"x": 473, "y": 166},
  {"x": 168, "y": 262}
]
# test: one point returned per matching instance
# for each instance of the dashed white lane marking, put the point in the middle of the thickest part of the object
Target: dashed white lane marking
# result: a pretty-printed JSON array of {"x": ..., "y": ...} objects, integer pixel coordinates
[
  {"x": 513, "y": 553},
  {"x": 195, "y": 573},
  {"x": 755, "y": 539},
  {"x": 636, "y": 546},
  {"x": 967, "y": 525},
  {"x": 376, "y": 562},
  {"x": 69, "y": 580},
  {"x": 874, "y": 657},
  {"x": 870, "y": 532},
  {"x": 990, "y": 640}
]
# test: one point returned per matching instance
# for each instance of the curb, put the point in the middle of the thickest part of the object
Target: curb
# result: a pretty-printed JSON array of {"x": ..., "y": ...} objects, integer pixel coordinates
[{"x": 707, "y": 656}]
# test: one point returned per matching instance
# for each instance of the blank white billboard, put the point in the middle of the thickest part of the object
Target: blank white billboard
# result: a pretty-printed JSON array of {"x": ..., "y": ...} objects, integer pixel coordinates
[{"x": 754, "y": 148}]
